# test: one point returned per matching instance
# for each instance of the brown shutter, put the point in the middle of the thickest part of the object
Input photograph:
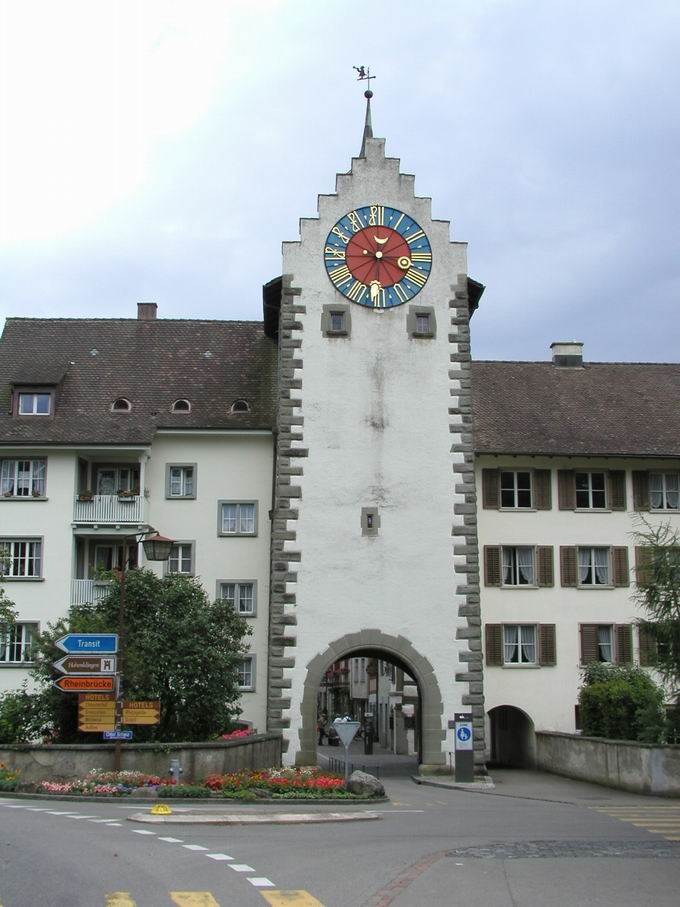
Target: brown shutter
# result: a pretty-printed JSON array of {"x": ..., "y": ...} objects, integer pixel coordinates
[
  {"x": 647, "y": 646},
  {"x": 624, "y": 643},
  {"x": 491, "y": 489},
  {"x": 568, "y": 566},
  {"x": 547, "y": 648},
  {"x": 542, "y": 489},
  {"x": 492, "y": 565},
  {"x": 620, "y": 571},
  {"x": 494, "y": 644},
  {"x": 566, "y": 489},
  {"x": 643, "y": 564},
  {"x": 617, "y": 489},
  {"x": 640, "y": 490},
  {"x": 588, "y": 643},
  {"x": 545, "y": 573}
]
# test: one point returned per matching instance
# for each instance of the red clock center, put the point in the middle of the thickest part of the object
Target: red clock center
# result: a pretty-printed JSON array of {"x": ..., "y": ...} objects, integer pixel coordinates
[{"x": 378, "y": 253}]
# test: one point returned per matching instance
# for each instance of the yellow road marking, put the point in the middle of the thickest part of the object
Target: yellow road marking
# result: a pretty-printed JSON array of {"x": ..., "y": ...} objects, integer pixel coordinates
[
  {"x": 119, "y": 899},
  {"x": 286, "y": 898},
  {"x": 193, "y": 899}
]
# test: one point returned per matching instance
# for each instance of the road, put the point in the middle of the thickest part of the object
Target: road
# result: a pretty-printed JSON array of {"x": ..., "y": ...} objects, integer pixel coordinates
[{"x": 535, "y": 842}]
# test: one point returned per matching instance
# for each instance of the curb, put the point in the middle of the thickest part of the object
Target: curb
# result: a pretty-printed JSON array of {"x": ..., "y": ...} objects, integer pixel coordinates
[
  {"x": 179, "y": 801},
  {"x": 242, "y": 819},
  {"x": 481, "y": 786}
]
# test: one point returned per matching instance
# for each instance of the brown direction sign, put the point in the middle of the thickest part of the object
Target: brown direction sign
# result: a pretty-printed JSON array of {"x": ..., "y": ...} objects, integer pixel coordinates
[
  {"x": 96, "y": 712},
  {"x": 146, "y": 712},
  {"x": 100, "y": 684},
  {"x": 86, "y": 664}
]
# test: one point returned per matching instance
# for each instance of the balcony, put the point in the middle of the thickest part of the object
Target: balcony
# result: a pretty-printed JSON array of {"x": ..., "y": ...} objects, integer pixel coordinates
[
  {"x": 105, "y": 509},
  {"x": 88, "y": 591}
]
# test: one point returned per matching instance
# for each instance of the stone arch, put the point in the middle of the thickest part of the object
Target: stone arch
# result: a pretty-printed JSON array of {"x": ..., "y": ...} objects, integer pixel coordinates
[
  {"x": 397, "y": 648},
  {"x": 512, "y": 737}
]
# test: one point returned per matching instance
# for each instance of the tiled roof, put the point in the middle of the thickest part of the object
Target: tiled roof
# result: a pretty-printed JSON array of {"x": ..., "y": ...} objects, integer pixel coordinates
[
  {"x": 603, "y": 409},
  {"x": 151, "y": 363}
]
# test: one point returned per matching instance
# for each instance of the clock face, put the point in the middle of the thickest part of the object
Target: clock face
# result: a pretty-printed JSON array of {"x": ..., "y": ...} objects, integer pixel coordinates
[{"x": 378, "y": 257}]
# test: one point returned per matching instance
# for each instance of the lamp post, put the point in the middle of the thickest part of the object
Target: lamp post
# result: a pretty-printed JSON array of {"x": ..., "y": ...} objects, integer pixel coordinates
[{"x": 156, "y": 548}]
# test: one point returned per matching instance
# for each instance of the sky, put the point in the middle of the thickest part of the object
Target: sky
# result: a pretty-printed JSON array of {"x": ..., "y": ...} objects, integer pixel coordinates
[{"x": 161, "y": 151}]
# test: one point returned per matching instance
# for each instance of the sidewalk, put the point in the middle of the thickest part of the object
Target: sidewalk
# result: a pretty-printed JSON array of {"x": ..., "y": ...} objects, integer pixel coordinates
[{"x": 382, "y": 762}]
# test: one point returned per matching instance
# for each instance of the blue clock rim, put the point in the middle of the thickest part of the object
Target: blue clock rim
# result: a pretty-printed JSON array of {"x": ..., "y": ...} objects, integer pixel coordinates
[{"x": 353, "y": 289}]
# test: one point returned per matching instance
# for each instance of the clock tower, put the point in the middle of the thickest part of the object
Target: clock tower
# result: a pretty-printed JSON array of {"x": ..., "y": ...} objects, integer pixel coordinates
[{"x": 374, "y": 539}]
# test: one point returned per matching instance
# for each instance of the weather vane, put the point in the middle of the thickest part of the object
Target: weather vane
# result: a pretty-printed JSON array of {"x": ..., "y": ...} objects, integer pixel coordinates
[{"x": 365, "y": 75}]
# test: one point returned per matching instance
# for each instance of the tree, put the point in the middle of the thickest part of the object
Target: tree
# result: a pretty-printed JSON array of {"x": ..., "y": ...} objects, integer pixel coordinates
[
  {"x": 658, "y": 595},
  {"x": 621, "y": 702},
  {"x": 180, "y": 648}
]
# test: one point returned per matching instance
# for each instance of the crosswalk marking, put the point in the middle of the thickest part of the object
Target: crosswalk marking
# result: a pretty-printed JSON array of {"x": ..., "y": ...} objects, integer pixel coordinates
[
  {"x": 661, "y": 819},
  {"x": 193, "y": 899},
  {"x": 171, "y": 840},
  {"x": 195, "y": 847},
  {"x": 261, "y": 882},
  {"x": 218, "y": 856},
  {"x": 290, "y": 899},
  {"x": 241, "y": 867},
  {"x": 120, "y": 899}
]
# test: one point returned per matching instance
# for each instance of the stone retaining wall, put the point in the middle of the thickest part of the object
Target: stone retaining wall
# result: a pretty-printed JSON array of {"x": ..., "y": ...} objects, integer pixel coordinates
[
  {"x": 62, "y": 761},
  {"x": 638, "y": 767}
]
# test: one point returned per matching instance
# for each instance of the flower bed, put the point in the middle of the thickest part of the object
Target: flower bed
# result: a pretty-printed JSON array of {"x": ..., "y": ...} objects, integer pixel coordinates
[
  {"x": 106, "y": 784},
  {"x": 9, "y": 779}
]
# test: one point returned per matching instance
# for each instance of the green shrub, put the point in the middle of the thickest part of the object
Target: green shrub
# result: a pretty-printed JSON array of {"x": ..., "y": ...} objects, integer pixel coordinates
[
  {"x": 23, "y": 716},
  {"x": 178, "y": 791},
  {"x": 621, "y": 702},
  {"x": 239, "y": 795}
]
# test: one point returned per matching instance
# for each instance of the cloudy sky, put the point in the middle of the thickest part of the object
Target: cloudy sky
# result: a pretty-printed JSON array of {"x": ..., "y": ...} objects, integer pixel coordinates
[{"x": 153, "y": 150}]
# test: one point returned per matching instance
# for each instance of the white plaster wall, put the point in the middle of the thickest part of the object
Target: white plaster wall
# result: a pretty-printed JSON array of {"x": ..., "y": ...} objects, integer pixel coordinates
[
  {"x": 376, "y": 423},
  {"x": 548, "y": 694},
  {"x": 228, "y": 467},
  {"x": 49, "y": 598}
]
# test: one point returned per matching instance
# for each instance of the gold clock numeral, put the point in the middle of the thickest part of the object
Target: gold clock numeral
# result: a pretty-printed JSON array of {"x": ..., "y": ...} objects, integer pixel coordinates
[
  {"x": 356, "y": 291},
  {"x": 401, "y": 293},
  {"x": 396, "y": 226},
  {"x": 338, "y": 232},
  {"x": 340, "y": 275},
  {"x": 416, "y": 277},
  {"x": 355, "y": 221},
  {"x": 377, "y": 216},
  {"x": 333, "y": 253},
  {"x": 417, "y": 235},
  {"x": 421, "y": 256}
]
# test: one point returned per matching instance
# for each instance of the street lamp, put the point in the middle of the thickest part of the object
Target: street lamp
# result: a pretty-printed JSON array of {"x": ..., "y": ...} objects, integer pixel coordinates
[{"x": 156, "y": 548}]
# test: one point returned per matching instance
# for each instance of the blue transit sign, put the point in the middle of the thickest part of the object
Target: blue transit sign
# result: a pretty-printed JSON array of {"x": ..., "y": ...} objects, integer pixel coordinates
[
  {"x": 89, "y": 643},
  {"x": 117, "y": 735}
]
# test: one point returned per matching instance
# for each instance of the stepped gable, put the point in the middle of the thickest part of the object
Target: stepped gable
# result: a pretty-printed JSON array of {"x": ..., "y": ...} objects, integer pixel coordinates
[
  {"x": 600, "y": 409},
  {"x": 92, "y": 362}
]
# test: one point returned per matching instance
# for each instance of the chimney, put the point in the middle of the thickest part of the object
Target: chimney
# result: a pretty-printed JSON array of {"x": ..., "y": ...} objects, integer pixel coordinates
[
  {"x": 567, "y": 353},
  {"x": 146, "y": 311}
]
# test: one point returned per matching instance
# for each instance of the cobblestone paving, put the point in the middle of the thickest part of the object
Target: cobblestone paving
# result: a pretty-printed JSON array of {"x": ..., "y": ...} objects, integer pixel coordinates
[{"x": 532, "y": 850}]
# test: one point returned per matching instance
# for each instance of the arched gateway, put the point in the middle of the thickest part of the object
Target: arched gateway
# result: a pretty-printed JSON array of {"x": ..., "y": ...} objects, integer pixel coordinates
[
  {"x": 374, "y": 518},
  {"x": 389, "y": 648}
]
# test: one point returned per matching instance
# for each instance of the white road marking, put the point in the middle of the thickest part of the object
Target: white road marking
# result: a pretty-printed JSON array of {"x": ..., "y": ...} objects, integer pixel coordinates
[
  {"x": 241, "y": 867},
  {"x": 261, "y": 883},
  {"x": 58, "y": 812},
  {"x": 195, "y": 847},
  {"x": 76, "y": 816},
  {"x": 142, "y": 831},
  {"x": 171, "y": 840},
  {"x": 37, "y": 809},
  {"x": 14, "y": 805},
  {"x": 215, "y": 856},
  {"x": 113, "y": 825},
  {"x": 388, "y": 811},
  {"x": 102, "y": 820}
]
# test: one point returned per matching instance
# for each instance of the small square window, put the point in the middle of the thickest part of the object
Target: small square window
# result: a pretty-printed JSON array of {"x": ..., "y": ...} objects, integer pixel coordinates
[
  {"x": 519, "y": 644},
  {"x": 20, "y": 559},
  {"x": 181, "y": 559},
  {"x": 664, "y": 491},
  {"x": 16, "y": 643},
  {"x": 591, "y": 491},
  {"x": 336, "y": 320},
  {"x": 518, "y": 566},
  {"x": 180, "y": 480},
  {"x": 34, "y": 404},
  {"x": 246, "y": 674},
  {"x": 516, "y": 489},
  {"x": 237, "y": 518},
  {"x": 594, "y": 567},
  {"x": 22, "y": 478},
  {"x": 420, "y": 322},
  {"x": 240, "y": 595}
]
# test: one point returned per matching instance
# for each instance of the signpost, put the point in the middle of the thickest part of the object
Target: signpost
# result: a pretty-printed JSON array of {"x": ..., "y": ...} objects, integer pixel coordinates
[
  {"x": 346, "y": 732},
  {"x": 96, "y": 712},
  {"x": 86, "y": 664},
  {"x": 89, "y": 643},
  {"x": 147, "y": 712},
  {"x": 463, "y": 735},
  {"x": 117, "y": 735},
  {"x": 102, "y": 684}
]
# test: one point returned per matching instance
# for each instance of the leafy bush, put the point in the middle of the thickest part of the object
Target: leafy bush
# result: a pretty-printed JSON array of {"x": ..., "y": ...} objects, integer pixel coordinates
[
  {"x": 621, "y": 702},
  {"x": 178, "y": 791},
  {"x": 9, "y": 778},
  {"x": 23, "y": 716}
]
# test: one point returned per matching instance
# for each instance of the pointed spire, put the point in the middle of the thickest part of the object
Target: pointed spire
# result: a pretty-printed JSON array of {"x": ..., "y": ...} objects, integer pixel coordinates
[{"x": 368, "y": 125}]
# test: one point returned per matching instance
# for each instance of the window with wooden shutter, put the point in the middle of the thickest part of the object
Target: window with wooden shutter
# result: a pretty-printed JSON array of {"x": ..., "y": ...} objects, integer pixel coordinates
[
  {"x": 617, "y": 489},
  {"x": 647, "y": 641},
  {"x": 624, "y": 643},
  {"x": 589, "y": 648},
  {"x": 492, "y": 565},
  {"x": 491, "y": 493},
  {"x": 568, "y": 565},
  {"x": 545, "y": 574},
  {"x": 620, "y": 571},
  {"x": 542, "y": 489},
  {"x": 644, "y": 556},
  {"x": 547, "y": 648},
  {"x": 640, "y": 490},
  {"x": 566, "y": 491},
  {"x": 494, "y": 644}
]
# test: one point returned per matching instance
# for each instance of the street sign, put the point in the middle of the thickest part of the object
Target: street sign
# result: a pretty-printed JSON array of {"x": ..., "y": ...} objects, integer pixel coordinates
[
  {"x": 346, "y": 730},
  {"x": 85, "y": 684},
  {"x": 96, "y": 712},
  {"x": 464, "y": 736},
  {"x": 146, "y": 712},
  {"x": 86, "y": 664},
  {"x": 89, "y": 643},
  {"x": 117, "y": 735}
]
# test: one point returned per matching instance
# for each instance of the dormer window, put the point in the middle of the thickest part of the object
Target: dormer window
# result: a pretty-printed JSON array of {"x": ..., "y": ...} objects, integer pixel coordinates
[
  {"x": 35, "y": 403},
  {"x": 121, "y": 405},
  {"x": 181, "y": 406},
  {"x": 240, "y": 406}
]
